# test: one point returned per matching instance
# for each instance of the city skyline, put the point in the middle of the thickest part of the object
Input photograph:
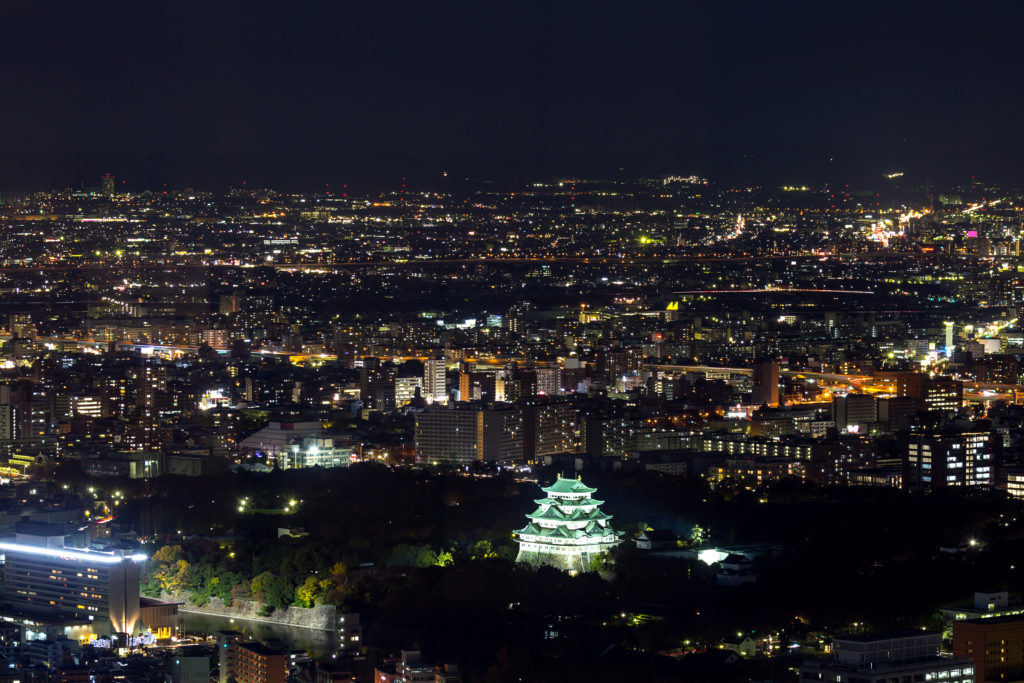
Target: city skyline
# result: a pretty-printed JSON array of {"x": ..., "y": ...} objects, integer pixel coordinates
[{"x": 475, "y": 342}]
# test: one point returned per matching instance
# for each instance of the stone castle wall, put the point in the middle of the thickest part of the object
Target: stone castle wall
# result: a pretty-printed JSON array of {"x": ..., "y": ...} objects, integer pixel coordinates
[
  {"x": 321, "y": 616},
  {"x": 566, "y": 563}
]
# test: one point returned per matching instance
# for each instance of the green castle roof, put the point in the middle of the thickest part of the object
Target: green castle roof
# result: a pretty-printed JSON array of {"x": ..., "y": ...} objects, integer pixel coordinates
[
  {"x": 567, "y": 503},
  {"x": 592, "y": 529},
  {"x": 553, "y": 513},
  {"x": 565, "y": 485},
  {"x": 550, "y": 513}
]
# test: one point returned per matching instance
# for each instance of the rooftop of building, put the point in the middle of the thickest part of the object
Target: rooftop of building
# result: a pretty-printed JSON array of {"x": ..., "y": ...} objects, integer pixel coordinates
[
  {"x": 44, "y": 529},
  {"x": 881, "y": 637},
  {"x": 935, "y": 662},
  {"x": 1001, "y": 619},
  {"x": 100, "y": 555},
  {"x": 261, "y": 649},
  {"x": 565, "y": 485}
]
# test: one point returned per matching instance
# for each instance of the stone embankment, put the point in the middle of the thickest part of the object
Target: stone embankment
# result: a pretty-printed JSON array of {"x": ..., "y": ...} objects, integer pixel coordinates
[{"x": 319, "y": 617}]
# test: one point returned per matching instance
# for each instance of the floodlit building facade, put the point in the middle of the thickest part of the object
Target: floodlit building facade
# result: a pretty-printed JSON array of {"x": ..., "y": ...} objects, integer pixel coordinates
[
  {"x": 296, "y": 444},
  {"x": 46, "y": 579},
  {"x": 434, "y": 381}
]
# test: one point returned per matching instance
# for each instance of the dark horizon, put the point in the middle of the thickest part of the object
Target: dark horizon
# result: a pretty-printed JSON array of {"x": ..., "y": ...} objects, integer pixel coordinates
[
  {"x": 372, "y": 180},
  {"x": 203, "y": 96}
]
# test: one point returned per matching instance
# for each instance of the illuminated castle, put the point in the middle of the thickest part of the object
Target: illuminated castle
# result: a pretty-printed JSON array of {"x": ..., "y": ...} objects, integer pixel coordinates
[{"x": 567, "y": 530}]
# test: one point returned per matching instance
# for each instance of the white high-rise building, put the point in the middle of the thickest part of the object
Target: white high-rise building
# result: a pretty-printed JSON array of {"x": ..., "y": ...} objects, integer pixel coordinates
[
  {"x": 405, "y": 389},
  {"x": 434, "y": 381},
  {"x": 549, "y": 381}
]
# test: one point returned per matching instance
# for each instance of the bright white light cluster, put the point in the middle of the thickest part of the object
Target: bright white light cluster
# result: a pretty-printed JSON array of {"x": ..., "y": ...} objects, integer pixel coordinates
[{"x": 70, "y": 554}]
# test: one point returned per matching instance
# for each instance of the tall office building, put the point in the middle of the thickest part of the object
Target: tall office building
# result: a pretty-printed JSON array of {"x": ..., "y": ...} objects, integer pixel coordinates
[
  {"x": 47, "y": 579},
  {"x": 231, "y": 303},
  {"x": 994, "y": 644},
  {"x": 447, "y": 435},
  {"x": 150, "y": 397},
  {"x": 257, "y": 663},
  {"x": 349, "y": 633},
  {"x": 216, "y": 338},
  {"x": 549, "y": 428},
  {"x": 6, "y": 423},
  {"x": 936, "y": 460},
  {"x": 766, "y": 383},
  {"x": 896, "y": 413},
  {"x": 853, "y": 412},
  {"x": 549, "y": 381},
  {"x": 434, "y": 381},
  {"x": 376, "y": 384},
  {"x": 108, "y": 184},
  {"x": 478, "y": 386},
  {"x": 86, "y": 406},
  {"x": 25, "y": 408},
  {"x": 406, "y": 388},
  {"x": 469, "y": 433},
  {"x": 227, "y": 654},
  {"x": 941, "y": 394},
  {"x": 620, "y": 363}
]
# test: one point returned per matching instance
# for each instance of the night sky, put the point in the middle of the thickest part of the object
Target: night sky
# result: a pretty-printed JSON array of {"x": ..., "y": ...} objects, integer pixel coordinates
[{"x": 299, "y": 94}]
